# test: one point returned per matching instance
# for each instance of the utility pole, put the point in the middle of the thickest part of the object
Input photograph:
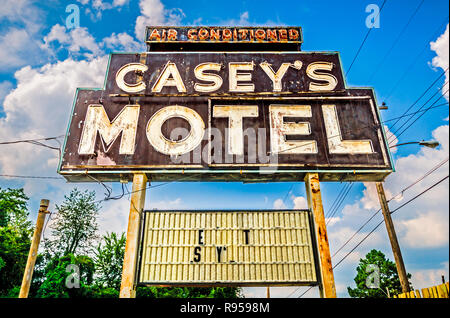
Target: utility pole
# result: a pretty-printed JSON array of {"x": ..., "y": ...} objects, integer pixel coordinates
[
  {"x": 393, "y": 238},
  {"x": 128, "y": 284},
  {"x": 327, "y": 286},
  {"x": 28, "y": 274}
]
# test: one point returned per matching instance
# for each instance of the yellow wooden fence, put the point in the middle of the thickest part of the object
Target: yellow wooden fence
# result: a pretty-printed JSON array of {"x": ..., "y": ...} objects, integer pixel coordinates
[{"x": 440, "y": 291}]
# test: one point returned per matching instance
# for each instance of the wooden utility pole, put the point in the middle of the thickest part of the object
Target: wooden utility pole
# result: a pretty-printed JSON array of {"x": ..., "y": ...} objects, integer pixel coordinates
[
  {"x": 327, "y": 289},
  {"x": 393, "y": 238},
  {"x": 32, "y": 254},
  {"x": 128, "y": 285}
]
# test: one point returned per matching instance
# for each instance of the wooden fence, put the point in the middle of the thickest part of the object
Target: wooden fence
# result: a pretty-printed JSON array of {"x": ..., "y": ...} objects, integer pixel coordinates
[{"x": 440, "y": 291}]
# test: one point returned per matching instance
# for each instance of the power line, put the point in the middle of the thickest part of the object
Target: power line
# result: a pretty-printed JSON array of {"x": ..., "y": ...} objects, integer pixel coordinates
[
  {"x": 364, "y": 41},
  {"x": 398, "y": 208},
  {"x": 410, "y": 67},
  {"x": 148, "y": 187},
  {"x": 417, "y": 100},
  {"x": 30, "y": 177},
  {"x": 414, "y": 113},
  {"x": 415, "y": 120},
  {"x": 440, "y": 164},
  {"x": 338, "y": 206},
  {"x": 396, "y": 40},
  {"x": 378, "y": 225},
  {"x": 337, "y": 198},
  {"x": 30, "y": 140},
  {"x": 337, "y": 202}
]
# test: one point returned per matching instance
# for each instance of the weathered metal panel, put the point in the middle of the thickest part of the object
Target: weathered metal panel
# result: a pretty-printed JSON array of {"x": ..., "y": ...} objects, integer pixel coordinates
[
  {"x": 246, "y": 248},
  {"x": 277, "y": 132}
]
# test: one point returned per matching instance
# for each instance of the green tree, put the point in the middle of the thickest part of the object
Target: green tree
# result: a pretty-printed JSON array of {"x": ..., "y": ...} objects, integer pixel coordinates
[
  {"x": 109, "y": 259},
  {"x": 13, "y": 209},
  {"x": 15, "y": 238},
  {"x": 367, "y": 283},
  {"x": 69, "y": 276},
  {"x": 14, "y": 247},
  {"x": 75, "y": 227}
]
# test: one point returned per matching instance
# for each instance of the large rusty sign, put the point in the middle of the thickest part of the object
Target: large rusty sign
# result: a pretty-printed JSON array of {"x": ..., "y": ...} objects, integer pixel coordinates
[
  {"x": 247, "y": 116},
  {"x": 238, "y": 248}
]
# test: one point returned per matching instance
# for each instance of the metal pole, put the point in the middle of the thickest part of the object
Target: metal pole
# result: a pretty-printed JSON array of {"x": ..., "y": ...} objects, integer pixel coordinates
[
  {"x": 393, "y": 238},
  {"x": 328, "y": 289},
  {"x": 29, "y": 268},
  {"x": 128, "y": 285}
]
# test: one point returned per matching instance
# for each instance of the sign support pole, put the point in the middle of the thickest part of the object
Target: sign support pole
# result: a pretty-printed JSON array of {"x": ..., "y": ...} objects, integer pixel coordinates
[
  {"x": 328, "y": 289},
  {"x": 393, "y": 238},
  {"x": 128, "y": 285},
  {"x": 28, "y": 274}
]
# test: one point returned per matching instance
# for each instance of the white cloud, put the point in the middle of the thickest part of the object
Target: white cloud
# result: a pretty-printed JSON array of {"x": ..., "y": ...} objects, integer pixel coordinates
[
  {"x": 12, "y": 48},
  {"x": 153, "y": 12},
  {"x": 19, "y": 45},
  {"x": 424, "y": 278},
  {"x": 103, "y": 5},
  {"x": 123, "y": 42},
  {"x": 243, "y": 19},
  {"x": 279, "y": 204},
  {"x": 30, "y": 117},
  {"x": 5, "y": 88},
  {"x": 23, "y": 13},
  {"x": 440, "y": 46},
  {"x": 76, "y": 41},
  {"x": 113, "y": 216},
  {"x": 427, "y": 230},
  {"x": 299, "y": 202}
]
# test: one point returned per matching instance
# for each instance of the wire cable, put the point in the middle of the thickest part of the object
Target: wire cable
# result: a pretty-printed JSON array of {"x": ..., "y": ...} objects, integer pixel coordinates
[
  {"x": 364, "y": 41},
  {"x": 415, "y": 120},
  {"x": 378, "y": 225},
  {"x": 410, "y": 67},
  {"x": 417, "y": 100},
  {"x": 338, "y": 206},
  {"x": 30, "y": 140},
  {"x": 396, "y": 41},
  {"x": 30, "y": 177},
  {"x": 440, "y": 164}
]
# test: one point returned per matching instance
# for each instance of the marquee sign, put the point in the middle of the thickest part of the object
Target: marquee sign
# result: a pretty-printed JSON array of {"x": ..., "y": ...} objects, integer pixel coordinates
[
  {"x": 225, "y": 117},
  {"x": 239, "y": 248},
  {"x": 211, "y": 34}
]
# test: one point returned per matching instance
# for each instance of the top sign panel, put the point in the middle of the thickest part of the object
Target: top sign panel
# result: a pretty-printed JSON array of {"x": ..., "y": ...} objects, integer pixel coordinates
[
  {"x": 224, "y": 34},
  {"x": 204, "y": 116}
]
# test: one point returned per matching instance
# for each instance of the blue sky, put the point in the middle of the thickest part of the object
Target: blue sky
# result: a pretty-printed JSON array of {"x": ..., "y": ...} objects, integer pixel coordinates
[{"x": 42, "y": 62}]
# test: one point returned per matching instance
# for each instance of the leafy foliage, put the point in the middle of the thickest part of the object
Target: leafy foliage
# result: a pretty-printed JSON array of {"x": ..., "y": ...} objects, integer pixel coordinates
[
  {"x": 109, "y": 259},
  {"x": 14, "y": 247},
  {"x": 73, "y": 235},
  {"x": 75, "y": 228},
  {"x": 388, "y": 277},
  {"x": 13, "y": 209},
  {"x": 58, "y": 275},
  {"x": 15, "y": 231}
]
